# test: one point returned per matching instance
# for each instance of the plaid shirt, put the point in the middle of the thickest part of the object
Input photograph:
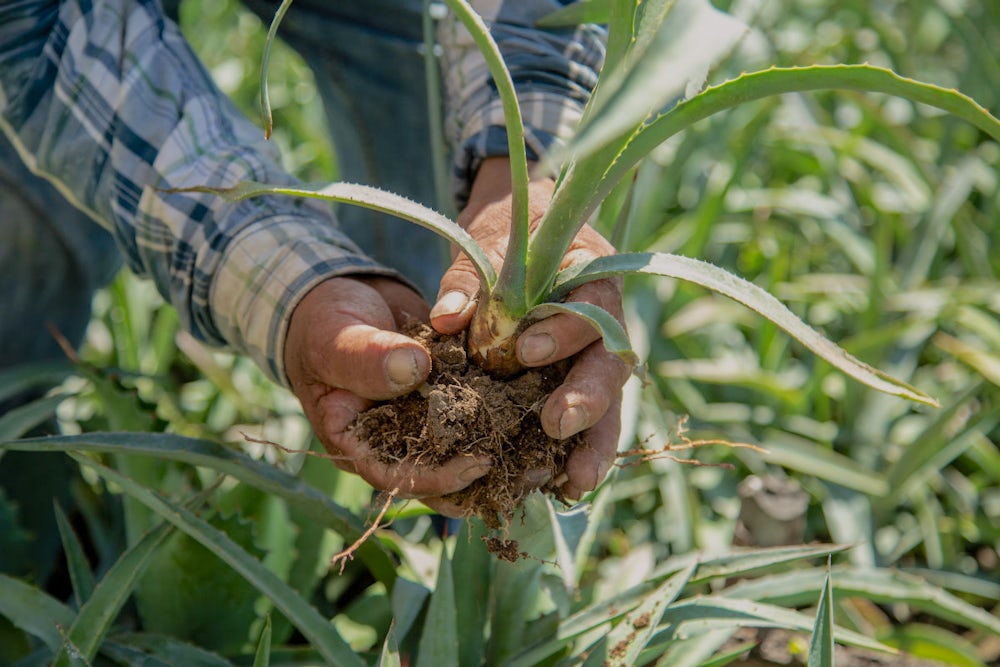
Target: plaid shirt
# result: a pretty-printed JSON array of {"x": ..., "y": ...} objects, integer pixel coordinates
[{"x": 106, "y": 99}]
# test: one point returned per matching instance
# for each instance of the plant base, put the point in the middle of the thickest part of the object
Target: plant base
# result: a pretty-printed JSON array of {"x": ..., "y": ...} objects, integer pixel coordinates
[{"x": 462, "y": 411}]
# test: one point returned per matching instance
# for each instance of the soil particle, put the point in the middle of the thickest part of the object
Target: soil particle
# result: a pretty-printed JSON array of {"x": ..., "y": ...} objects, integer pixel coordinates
[
  {"x": 461, "y": 411},
  {"x": 508, "y": 550}
]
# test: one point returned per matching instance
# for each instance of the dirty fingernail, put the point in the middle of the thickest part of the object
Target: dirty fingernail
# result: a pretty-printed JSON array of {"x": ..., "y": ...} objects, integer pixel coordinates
[
  {"x": 451, "y": 303},
  {"x": 536, "y": 348},
  {"x": 474, "y": 472},
  {"x": 573, "y": 421},
  {"x": 401, "y": 367}
]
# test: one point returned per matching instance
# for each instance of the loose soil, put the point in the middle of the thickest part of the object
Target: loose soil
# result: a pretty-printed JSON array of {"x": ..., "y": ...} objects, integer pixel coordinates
[{"x": 461, "y": 411}]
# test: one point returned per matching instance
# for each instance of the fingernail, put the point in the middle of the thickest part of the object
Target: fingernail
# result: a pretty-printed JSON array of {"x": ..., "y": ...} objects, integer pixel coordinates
[
  {"x": 451, "y": 303},
  {"x": 573, "y": 421},
  {"x": 602, "y": 471},
  {"x": 536, "y": 348},
  {"x": 401, "y": 367},
  {"x": 474, "y": 472}
]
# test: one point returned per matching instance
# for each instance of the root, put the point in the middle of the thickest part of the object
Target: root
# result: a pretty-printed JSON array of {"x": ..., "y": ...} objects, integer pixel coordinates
[
  {"x": 291, "y": 450},
  {"x": 348, "y": 553},
  {"x": 643, "y": 455}
]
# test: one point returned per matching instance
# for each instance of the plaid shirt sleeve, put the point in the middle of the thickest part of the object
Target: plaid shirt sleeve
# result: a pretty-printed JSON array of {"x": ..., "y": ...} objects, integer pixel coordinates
[
  {"x": 106, "y": 99},
  {"x": 554, "y": 72}
]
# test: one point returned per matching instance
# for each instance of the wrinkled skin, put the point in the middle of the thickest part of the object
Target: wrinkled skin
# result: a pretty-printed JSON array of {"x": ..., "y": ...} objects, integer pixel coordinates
[{"x": 343, "y": 352}]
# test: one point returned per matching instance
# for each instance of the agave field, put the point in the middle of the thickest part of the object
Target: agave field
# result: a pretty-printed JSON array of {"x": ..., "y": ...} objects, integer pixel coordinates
[{"x": 804, "y": 197}]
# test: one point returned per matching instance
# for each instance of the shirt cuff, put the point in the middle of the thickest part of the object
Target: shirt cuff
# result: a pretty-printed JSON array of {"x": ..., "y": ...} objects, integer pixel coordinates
[
  {"x": 266, "y": 270},
  {"x": 549, "y": 118}
]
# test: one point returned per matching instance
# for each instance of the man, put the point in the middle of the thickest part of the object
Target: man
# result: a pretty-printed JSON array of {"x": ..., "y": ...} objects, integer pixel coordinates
[{"x": 105, "y": 99}]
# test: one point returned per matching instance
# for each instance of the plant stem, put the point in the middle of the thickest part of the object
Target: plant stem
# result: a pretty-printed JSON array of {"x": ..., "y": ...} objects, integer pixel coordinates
[{"x": 511, "y": 281}]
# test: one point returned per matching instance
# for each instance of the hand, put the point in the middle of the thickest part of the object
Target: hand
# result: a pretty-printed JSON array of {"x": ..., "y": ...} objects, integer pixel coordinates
[
  {"x": 590, "y": 397},
  {"x": 343, "y": 352}
]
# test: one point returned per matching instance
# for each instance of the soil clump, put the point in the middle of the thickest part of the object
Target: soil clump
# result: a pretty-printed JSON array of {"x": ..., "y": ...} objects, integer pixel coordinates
[{"x": 462, "y": 411}]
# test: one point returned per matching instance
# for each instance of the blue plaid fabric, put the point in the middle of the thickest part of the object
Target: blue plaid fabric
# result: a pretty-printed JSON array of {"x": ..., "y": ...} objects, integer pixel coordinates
[{"x": 106, "y": 100}]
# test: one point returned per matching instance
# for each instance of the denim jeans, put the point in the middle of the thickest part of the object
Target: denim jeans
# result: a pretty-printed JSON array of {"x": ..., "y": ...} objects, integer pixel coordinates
[{"x": 368, "y": 61}]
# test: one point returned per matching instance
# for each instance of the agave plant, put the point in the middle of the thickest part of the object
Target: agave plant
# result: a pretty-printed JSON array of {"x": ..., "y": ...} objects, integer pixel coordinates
[{"x": 657, "y": 51}]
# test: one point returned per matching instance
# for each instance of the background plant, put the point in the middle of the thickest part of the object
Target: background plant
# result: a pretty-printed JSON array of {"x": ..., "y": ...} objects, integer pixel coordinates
[{"x": 871, "y": 217}]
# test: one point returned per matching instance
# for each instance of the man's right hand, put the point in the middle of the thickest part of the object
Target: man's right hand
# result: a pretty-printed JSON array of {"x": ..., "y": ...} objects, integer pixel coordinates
[{"x": 343, "y": 352}]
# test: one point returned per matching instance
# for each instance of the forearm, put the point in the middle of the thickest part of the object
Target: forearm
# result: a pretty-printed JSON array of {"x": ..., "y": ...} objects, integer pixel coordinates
[{"x": 107, "y": 101}]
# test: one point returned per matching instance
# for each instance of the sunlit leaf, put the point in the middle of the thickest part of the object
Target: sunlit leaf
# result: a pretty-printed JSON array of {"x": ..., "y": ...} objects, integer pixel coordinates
[
  {"x": 821, "y": 648},
  {"x": 612, "y": 332},
  {"x": 692, "y": 37},
  {"x": 879, "y": 585},
  {"x": 633, "y": 632},
  {"x": 371, "y": 198},
  {"x": 719, "y": 280}
]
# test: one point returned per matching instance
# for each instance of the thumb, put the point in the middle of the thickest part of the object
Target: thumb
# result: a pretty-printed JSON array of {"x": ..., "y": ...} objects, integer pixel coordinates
[
  {"x": 456, "y": 297},
  {"x": 342, "y": 335}
]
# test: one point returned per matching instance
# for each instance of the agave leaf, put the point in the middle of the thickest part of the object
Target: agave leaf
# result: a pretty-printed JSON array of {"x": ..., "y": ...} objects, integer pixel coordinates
[
  {"x": 439, "y": 640},
  {"x": 371, "y": 198},
  {"x": 780, "y": 81},
  {"x": 821, "y": 649},
  {"x": 704, "y": 614},
  {"x": 258, "y": 474},
  {"x": 807, "y": 456},
  {"x": 934, "y": 643},
  {"x": 80, "y": 574},
  {"x": 22, "y": 378},
  {"x": 113, "y": 591},
  {"x": 678, "y": 42},
  {"x": 743, "y": 562},
  {"x": 389, "y": 657},
  {"x": 612, "y": 332},
  {"x": 320, "y": 633},
  {"x": 151, "y": 650},
  {"x": 878, "y": 585},
  {"x": 512, "y": 272},
  {"x": 408, "y": 599},
  {"x": 33, "y": 610},
  {"x": 633, "y": 632},
  {"x": 750, "y": 295},
  {"x": 262, "y": 657},
  {"x": 708, "y": 568},
  {"x": 265, "y": 99},
  {"x": 701, "y": 651},
  {"x": 472, "y": 571},
  {"x": 15, "y": 423}
]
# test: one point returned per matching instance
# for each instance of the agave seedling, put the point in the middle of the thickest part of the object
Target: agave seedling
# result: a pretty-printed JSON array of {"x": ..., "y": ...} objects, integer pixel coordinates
[{"x": 658, "y": 51}]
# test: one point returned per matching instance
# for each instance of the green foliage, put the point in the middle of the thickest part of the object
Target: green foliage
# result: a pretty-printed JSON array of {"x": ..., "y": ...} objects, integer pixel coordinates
[
  {"x": 190, "y": 594},
  {"x": 869, "y": 216}
]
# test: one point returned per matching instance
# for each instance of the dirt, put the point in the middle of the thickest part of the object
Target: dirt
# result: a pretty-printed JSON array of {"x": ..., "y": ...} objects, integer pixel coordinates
[{"x": 461, "y": 411}]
